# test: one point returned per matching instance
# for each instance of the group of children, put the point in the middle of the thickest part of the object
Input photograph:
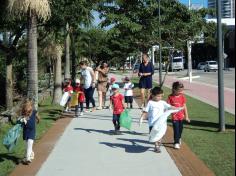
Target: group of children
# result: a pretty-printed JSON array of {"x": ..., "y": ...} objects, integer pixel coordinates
[{"x": 154, "y": 109}]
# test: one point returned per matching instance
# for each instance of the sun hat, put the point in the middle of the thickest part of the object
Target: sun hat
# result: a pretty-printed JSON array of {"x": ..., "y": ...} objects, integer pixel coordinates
[
  {"x": 113, "y": 79},
  {"x": 115, "y": 86},
  {"x": 77, "y": 81}
]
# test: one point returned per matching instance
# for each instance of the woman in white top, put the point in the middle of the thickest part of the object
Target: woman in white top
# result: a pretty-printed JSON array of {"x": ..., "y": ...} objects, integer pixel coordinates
[{"x": 87, "y": 79}]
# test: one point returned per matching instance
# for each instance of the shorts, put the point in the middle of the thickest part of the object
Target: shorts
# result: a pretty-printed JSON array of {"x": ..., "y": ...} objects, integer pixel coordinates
[
  {"x": 129, "y": 99},
  {"x": 145, "y": 83}
]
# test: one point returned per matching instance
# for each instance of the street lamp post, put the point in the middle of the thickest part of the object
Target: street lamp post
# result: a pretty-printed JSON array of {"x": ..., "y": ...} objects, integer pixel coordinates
[
  {"x": 220, "y": 69},
  {"x": 160, "y": 53}
]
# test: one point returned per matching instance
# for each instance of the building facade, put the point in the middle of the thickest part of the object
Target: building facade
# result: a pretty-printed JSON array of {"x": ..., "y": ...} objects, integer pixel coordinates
[{"x": 228, "y": 7}]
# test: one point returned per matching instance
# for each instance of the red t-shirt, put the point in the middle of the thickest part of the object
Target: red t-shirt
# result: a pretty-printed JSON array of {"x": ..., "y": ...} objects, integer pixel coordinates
[
  {"x": 177, "y": 101},
  {"x": 117, "y": 102},
  {"x": 80, "y": 90},
  {"x": 68, "y": 89}
]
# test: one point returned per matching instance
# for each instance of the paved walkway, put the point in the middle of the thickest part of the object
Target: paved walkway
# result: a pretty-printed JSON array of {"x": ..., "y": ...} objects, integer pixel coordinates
[{"x": 88, "y": 147}]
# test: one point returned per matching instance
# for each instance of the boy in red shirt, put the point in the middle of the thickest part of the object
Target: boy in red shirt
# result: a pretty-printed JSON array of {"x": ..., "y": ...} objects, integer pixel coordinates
[
  {"x": 177, "y": 99},
  {"x": 81, "y": 98},
  {"x": 68, "y": 88},
  {"x": 117, "y": 101}
]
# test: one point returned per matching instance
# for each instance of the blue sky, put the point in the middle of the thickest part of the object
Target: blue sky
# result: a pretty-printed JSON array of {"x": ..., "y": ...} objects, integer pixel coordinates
[{"x": 195, "y": 2}]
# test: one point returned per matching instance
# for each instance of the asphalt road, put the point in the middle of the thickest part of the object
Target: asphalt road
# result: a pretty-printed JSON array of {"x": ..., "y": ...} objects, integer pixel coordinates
[{"x": 211, "y": 77}]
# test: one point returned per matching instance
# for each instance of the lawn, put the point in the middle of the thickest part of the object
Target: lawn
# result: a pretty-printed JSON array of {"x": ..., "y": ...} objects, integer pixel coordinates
[
  {"x": 215, "y": 149},
  {"x": 49, "y": 114}
]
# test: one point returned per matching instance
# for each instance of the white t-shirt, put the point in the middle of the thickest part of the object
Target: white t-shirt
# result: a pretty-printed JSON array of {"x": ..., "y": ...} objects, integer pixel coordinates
[
  {"x": 128, "y": 89},
  {"x": 155, "y": 109},
  {"x": 85, "y": 73}
]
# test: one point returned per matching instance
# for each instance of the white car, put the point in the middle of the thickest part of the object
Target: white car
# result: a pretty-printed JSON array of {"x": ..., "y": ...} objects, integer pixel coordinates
[
  {"x": 211, "y": 66},
  {"x": 201, "y": 65}
]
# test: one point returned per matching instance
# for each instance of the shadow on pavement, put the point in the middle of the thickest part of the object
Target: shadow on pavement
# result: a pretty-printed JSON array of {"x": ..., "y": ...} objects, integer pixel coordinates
[
  {"x": 128, "y": 148},
  {"x": 135, "y": 141},
  {"x": 97, "y": 131}
]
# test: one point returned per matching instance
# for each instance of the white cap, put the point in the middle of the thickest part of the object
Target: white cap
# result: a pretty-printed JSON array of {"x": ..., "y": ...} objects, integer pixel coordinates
[{"x": 77, "y": 81}]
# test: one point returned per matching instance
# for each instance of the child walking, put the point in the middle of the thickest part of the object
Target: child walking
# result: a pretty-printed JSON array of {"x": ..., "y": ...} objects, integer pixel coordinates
[
  {"x": 81, "y": 98},
  {"x": 177, "y": 99},
  {"x": 128, "y": 92},
  {"x": 112, "y": 81},
  {"x": 68, "y": 88},
  {"x": 154, "y": 109},
  {"x": 117, "y": 100},
  {"x": 30, "y": 116}
]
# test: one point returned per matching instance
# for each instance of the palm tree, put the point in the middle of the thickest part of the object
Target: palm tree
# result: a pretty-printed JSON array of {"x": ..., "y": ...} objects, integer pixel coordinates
[
  {"x": 54, "y": 52},
  {"x": 34, "y": 9}
]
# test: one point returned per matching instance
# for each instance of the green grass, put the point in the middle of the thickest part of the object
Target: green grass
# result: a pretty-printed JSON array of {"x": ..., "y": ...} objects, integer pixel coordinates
[
  {"x": 215, "y": 149},
  {"x": 49, "y": 114}
]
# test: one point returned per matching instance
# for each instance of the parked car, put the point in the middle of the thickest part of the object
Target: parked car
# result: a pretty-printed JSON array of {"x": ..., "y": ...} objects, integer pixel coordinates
[
  {"x": 201, "y": 65},
  {"x": 211, "y": 66}
]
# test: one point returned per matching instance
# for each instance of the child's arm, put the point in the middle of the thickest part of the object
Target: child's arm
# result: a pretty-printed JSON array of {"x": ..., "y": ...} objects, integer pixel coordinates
[
  {"x": 143, "y": 117},
  {"x": 186, "y": 113}
]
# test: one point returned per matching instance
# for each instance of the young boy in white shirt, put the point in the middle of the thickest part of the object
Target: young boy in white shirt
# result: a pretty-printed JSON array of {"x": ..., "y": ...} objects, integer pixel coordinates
[
  {"x": 128, "y": 92},
  {"x": 154, "y": 109}
]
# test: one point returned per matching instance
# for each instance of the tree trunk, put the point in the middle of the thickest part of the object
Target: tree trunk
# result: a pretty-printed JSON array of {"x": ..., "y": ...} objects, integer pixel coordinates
[
  {"x": 57, "y": 93},
  {"x": 73, "y": 57},
  {"x": 9, "y": 83},
  {"x": 32, "y": 74},
  {"x": 67, "y": 48}
]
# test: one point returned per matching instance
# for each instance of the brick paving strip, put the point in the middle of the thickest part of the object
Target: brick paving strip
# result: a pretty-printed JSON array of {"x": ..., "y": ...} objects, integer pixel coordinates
[{"x": 43, "y": 148}]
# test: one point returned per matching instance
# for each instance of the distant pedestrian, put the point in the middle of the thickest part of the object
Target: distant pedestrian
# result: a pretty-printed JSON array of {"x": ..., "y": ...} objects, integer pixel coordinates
[
  {"x": 79, "y": 90},
  {"x": 29, "y": 118},
  {"x": 178, "y": 99},
  {"x": 155, "y": 109},
  {"x": 118, "y": 105},
  {"x": 128, "y": 87},
  {"x": 146, "y": 70},
  {"x": 88, "y": 81},
  {"x": 102, "y": 72}
]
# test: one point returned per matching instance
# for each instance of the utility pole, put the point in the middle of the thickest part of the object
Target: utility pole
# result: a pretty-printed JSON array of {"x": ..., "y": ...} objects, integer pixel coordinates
[
  {"x": 160, "y": 52},
  {"x": 220, "y": 69}
]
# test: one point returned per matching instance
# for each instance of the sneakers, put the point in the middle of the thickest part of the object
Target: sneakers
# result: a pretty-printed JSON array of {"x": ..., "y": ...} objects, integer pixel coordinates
[
  {"x": 177, "y": 146},
  {"x": 81, "y": 113},
  {"x": 157, "y": 149},
  {"x": 99, "y": 108}
]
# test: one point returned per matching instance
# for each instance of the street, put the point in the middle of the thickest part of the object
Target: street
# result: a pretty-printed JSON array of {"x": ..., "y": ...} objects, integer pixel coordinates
[{"x": 210, "y": 77}]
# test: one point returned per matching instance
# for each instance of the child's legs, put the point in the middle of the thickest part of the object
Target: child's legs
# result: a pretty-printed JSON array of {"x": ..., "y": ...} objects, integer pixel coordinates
[
  {"x": 181, "y": 125},
  {"x": 76, "y": 110},
  {"x": 116, "y": 121},
  {"x": 81, "y": 107},
  {"x": 29, "y": 149},
  {"x": 176, "y": 129}
]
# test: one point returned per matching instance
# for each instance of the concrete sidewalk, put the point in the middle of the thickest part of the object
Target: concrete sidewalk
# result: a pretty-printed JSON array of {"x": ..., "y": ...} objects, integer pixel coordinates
[{"x": 89, "y": 147}]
